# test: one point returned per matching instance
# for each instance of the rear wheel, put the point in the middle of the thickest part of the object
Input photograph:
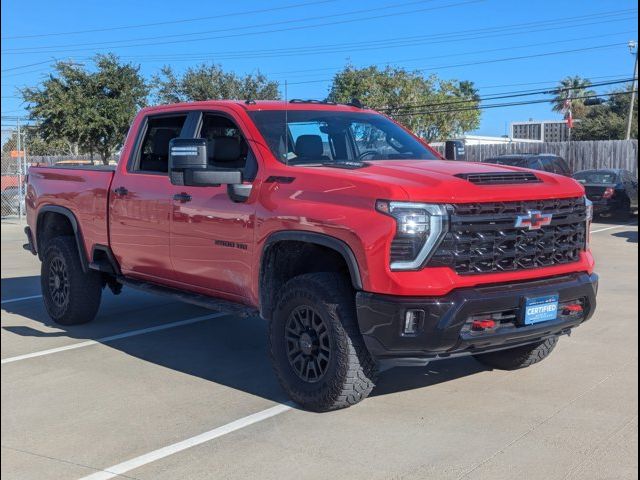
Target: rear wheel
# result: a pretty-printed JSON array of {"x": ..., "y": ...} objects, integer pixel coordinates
[
  {"x": 316, "y": 347},
  {"x": 71, "y": 296},
  {"x": 520, "y": 357}
]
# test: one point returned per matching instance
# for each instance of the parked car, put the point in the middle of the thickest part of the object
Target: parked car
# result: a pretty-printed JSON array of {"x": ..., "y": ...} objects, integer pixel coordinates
[
  {"x": 352, "y": 238},
  {"x": 542, "y": 161},
  {"x": 612, "y": 191}
]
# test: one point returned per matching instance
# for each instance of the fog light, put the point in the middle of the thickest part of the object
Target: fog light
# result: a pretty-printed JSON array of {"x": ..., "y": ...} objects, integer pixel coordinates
[
  {"x": 413, "y": 320},
  {"x": 484, "y": 324},
  {"x": 572, "y": 309}
]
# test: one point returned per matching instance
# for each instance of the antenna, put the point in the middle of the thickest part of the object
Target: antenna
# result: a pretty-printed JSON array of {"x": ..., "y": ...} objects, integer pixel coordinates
[{"x": 286, "y": 124}]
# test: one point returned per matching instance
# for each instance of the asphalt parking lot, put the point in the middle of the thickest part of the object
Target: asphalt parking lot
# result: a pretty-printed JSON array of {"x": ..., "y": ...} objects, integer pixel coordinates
[{"x": 155, "y": 389}]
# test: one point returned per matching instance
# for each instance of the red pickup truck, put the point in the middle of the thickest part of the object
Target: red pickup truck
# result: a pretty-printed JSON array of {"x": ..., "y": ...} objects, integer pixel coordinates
[{"x": 347, "y": 233}]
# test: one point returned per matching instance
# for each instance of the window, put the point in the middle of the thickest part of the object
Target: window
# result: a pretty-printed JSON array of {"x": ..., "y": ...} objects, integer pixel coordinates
[
  {"x": 154, "y": 150},
  {"x": 227, "y": 147},
  {"x": 320, "y": 137}
]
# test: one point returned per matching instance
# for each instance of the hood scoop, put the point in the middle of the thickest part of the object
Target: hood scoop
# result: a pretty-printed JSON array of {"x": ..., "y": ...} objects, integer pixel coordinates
[{"x": 499, "y": 178}]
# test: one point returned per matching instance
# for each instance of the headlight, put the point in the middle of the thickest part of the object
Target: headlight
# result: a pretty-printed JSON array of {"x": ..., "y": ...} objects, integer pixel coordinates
[
  {"x": 420, "y": 227},
  {"x": 589, "y": 211}
]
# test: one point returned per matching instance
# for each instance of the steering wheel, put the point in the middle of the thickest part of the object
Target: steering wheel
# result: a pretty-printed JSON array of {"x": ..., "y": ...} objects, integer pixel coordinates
[{"x": 366, "y": 153}]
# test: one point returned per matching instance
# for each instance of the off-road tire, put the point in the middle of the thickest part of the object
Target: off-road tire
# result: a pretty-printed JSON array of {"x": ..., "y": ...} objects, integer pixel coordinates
[
  {"x": 520, "y": 357},
  {"x": 83, "y": 291},
  {"x": 350, "y": 371}
]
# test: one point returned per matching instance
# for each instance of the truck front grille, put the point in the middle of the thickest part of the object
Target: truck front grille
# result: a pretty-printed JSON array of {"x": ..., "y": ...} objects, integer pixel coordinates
[{"x": 483, "y": 237}]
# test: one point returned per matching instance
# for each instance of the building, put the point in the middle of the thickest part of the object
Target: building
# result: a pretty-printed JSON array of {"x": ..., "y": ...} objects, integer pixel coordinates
[
  {"x": 542, "y": 131},
  {"x": 484, "y": 140}
]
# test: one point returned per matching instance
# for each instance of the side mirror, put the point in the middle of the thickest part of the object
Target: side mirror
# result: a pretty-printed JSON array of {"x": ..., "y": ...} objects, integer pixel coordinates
[{"x": 188, "y": 165}]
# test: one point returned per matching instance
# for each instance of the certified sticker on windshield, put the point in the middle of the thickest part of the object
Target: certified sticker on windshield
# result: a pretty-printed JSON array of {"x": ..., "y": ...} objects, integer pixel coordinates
[{"x": 540, "y": 309}]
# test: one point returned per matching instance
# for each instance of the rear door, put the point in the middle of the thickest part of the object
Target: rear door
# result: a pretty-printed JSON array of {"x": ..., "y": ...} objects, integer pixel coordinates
[
  {"x": 141, "y": 202},
  {"x": 212, "y": 236}
]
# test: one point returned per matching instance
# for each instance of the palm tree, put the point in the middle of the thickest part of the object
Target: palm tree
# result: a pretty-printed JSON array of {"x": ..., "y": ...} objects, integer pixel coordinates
[{"x": 570, "y": 88}]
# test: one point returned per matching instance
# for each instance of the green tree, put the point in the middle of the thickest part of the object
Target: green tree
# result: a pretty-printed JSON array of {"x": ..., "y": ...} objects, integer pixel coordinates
[
  {"x": 608, "y": 120},
  {"x": 423, "y": 104},
  {"x": 570, "y": 88},
  {"x": 87, "y": 111},
  {"x": 35, "y": 144},
  {"x": 211, "y": 82}
]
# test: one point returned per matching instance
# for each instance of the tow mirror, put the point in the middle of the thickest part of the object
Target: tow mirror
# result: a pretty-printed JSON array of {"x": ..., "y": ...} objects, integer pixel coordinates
[{"x": 189, "y": 166}]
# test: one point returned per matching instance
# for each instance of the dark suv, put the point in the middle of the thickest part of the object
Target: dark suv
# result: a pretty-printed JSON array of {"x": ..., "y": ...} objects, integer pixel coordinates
[{"x": 542, "y": 161}]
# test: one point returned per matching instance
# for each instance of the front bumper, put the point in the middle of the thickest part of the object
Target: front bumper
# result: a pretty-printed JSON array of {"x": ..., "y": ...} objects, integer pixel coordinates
[{"x": 444, "y": 330}]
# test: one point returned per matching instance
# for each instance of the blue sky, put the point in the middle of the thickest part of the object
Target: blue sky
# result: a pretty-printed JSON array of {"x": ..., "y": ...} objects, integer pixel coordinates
[{"x": 307, "y": 41}]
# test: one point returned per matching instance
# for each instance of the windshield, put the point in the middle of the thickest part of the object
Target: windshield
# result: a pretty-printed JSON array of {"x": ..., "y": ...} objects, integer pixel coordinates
[
  {"x": 510, "y": 161},
  {"x": 596, "y": 177},
  {"x": 331, "y": 137}
]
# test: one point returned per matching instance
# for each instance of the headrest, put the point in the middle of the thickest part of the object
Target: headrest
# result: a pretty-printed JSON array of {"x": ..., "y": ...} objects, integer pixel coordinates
[
  {"x": 309, "y": 146},
  {"x": 225, "y": 149},
  {"x": 161, "y": 139}
]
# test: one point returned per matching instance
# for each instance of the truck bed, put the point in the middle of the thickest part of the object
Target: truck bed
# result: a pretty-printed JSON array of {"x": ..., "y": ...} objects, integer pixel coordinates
[{"x": 84, "y": 190}]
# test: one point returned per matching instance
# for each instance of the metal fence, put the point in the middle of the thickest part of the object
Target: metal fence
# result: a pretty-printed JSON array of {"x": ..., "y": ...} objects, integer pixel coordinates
[
  {"x": 580, "y": 155},
  {"x": 12, "y": 169}
]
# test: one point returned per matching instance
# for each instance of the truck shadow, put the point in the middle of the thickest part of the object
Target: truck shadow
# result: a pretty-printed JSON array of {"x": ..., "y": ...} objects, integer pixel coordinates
[
  {"x": 227, "y": 350},
  {"x": 631, "y": 236}
]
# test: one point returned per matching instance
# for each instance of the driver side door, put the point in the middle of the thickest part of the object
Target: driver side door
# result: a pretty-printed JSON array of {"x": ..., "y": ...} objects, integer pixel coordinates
[{"x": 212, "y": 236}]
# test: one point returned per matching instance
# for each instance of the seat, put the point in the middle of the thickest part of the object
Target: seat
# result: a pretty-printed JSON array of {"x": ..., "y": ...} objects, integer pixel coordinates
[
  {"x": 158, "y": 159},
  {"x": 226, "y": 152},
  {"x": 310, "y": 148}
]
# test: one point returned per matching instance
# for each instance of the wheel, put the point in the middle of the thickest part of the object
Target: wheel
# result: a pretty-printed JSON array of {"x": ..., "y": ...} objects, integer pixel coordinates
[
  {"x": 71, "y": 296},
  {"x": 520, "y": 357},
  {"x": 316, "y": 348}
]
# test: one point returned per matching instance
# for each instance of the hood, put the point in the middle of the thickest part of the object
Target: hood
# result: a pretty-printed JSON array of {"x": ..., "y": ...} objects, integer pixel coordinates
[{"x": 436, "y": 181}]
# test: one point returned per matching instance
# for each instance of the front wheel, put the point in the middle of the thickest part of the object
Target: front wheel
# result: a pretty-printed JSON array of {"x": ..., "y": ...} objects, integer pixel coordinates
[
  {"x": 316, "y": 347},
  {"x": 71, "y": 296},
  {"x": 519, "y": 357}
]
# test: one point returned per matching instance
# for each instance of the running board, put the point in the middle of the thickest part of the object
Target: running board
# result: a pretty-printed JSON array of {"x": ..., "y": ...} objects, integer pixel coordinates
[{"x": 218, "y": 304}]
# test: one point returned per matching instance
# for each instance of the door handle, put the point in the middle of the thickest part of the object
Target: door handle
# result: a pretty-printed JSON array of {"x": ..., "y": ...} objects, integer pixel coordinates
[
  {"x": 182, "y": 197},
  {"x": 121, "y": 191}
]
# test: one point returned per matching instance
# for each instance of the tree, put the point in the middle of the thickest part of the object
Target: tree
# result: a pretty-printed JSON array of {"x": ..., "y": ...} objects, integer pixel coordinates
[
  {"x": 33, "y": 143},
  {"x": 570, "y": 88},
  {"x": 608, "y": 120},
  {"x": 87, "y": 111},
  {"x": 423, "y": 104},
  {"x": 210, "y": 82}
]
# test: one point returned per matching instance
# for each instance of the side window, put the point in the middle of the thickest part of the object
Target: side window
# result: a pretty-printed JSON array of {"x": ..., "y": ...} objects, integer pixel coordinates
[
  {"x": 154, "y": 149},
  {"x": 548, "y": 165},
  {"x": 227, "y": 147},
  {"x": 536, "y": 164},
  {"x": 561, "y": 166}
]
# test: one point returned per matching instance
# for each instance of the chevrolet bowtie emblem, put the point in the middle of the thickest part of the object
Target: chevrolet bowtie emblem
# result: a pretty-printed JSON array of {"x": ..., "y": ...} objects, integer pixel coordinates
[{"x": 533, "y": 220}]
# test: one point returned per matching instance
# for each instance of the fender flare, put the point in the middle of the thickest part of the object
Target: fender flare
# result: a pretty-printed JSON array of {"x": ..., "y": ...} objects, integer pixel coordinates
[
  {"x": 74, "y": 225},
  {"x": 319, "y": 239}
]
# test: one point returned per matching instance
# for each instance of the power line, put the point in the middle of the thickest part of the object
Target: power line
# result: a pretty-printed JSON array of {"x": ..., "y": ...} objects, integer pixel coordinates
[
  {"x": 396, "y": 41},
  {"x": 396, "y": 62},
  {"x": 172, "y": 22},
  {"x": 114, "y": 43},
  {"x": 504, "y": 95},
  {"x": 483, "y": 62},
  {"x": 300, "y": 27},
  {"x": 507, "y": 104}
]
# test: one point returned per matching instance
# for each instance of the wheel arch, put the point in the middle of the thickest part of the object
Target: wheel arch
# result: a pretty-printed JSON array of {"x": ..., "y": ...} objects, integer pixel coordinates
[
  {"x": 54, "y": 220},
  {"x": 328, "y": 252}
]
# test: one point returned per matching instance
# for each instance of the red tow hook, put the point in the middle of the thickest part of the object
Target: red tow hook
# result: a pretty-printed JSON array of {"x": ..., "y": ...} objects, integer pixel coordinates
[
  {"x": 485, "y": 324},
  {"x": 572, "y": 309}
]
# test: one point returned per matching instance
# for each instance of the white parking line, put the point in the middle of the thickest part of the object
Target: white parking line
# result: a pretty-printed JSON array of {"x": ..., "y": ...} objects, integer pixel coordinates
[
  {"x": 615, "y": 226},
  {"x": 124, "y": 467},
  {"x": 111, "y": 338},
  {"x": 19, "y": 299}
]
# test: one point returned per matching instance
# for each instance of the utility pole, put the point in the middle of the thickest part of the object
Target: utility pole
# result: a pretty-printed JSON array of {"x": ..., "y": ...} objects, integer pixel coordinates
[{"x": 632, "y": 46}]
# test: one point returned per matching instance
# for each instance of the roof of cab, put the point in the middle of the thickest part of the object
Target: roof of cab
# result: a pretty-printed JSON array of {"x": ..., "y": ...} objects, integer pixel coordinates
[{"x": 257, "y": 105}]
